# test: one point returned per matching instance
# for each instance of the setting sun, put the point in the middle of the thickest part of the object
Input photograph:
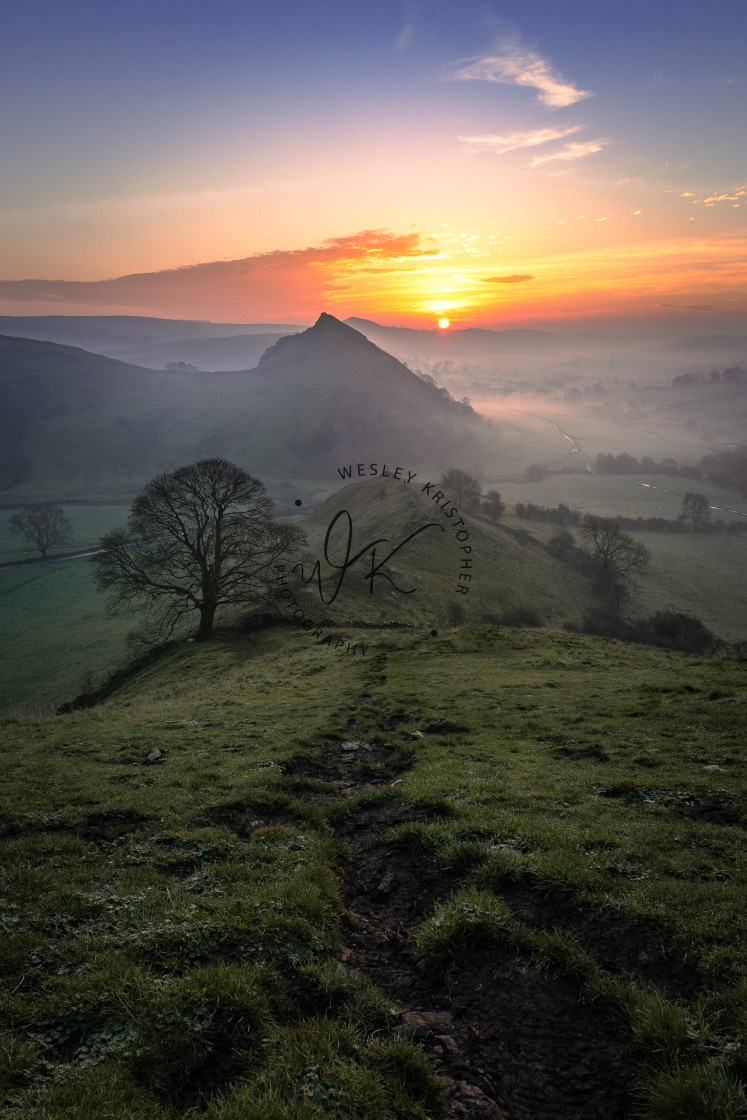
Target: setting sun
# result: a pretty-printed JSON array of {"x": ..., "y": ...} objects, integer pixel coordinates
[{"x": 443, "y": 324}]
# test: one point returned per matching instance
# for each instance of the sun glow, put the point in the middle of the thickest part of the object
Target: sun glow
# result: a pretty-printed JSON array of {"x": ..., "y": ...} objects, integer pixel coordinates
[{"x": 443, "y": 324}]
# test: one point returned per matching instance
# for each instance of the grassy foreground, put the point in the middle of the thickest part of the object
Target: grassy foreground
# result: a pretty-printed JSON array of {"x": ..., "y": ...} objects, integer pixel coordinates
[{"x": 172, "y": 932}]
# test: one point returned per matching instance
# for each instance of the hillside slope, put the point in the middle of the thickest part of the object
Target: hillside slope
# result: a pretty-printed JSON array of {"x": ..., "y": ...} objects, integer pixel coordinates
[{"x": 486, "y": 870}]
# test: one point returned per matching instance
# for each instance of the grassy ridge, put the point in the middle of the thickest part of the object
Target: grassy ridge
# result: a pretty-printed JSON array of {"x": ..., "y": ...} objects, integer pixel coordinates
[
  {"x": 166, "y": 921},
  {"x": 57, "y": 635}
]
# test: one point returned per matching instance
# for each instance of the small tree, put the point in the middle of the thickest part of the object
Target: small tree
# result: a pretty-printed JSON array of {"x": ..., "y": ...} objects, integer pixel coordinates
[
  {"x": 493, "y": 505},
  {"x": 197, "y": 539},
  {"x": 696, "y": 509},
  {"x": 44, "y": 526},
  {"x": 616, "y": 557},
  {"x": 464, "y": 485}
]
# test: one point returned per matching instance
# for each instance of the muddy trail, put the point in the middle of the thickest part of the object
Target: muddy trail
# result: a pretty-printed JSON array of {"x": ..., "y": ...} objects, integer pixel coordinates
[{"x": 508, "y": 1041}]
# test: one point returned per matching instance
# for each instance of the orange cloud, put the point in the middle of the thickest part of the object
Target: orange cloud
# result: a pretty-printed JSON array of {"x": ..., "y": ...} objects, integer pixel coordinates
[
  {"x": 515, "y": 278},
  {"x": 281, "y": 284}
]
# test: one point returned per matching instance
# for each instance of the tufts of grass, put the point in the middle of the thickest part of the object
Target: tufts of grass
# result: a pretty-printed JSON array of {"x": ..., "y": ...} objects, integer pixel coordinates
[
  {"x": 200, "y": 1030},
  {"x": 706, "y": 1091},
  {"x": 469, "y": 921},
  {"x": 333, "y": 990}
]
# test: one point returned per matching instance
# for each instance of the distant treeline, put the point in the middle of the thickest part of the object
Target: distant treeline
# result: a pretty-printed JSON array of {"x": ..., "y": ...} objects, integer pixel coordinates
[
  {"x": 729, "y": 468},
  {"x": 557, "y": 515},
  {"x": 564, "y": 515},
  {"x": 735, "y": 375}
]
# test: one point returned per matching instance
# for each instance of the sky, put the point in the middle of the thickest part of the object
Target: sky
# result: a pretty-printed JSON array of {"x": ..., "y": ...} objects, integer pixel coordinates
[{"x": 496, "y": 164}]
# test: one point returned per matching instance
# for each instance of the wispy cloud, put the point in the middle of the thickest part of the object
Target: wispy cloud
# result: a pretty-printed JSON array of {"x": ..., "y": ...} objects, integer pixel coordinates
[
  {"x": 404, "y": 36},
  {"x": 514, "y": 278},
  {"x": 574, "y": 150},
  {"x": 499, "y": 144},
  {"x": 516, "y": 66}
]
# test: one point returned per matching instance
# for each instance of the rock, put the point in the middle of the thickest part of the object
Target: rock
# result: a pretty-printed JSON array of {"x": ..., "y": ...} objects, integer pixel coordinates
[
  {"x": 399, "y": 782},
  {"x": 416, "y": 735},
  {"x": 387, "y": 884},
  {"x": 154, "y": 757},
  {"x": 422, "y": 1023},
  {"x": 448, "y": 1043},
  {"x": 471, "y": 1101},
  {"x": 713, "y": 768},
  {"x": 350, "y": 745}
]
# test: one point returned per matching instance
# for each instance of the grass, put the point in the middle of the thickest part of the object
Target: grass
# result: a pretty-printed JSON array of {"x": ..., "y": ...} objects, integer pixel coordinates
[
  {"x": 56, "y": 638},
  {"x": 172, "y": 932}
]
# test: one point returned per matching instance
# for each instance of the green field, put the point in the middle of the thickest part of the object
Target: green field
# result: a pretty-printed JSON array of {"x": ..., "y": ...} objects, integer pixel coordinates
[
  {"x": 56, "y": 636},
  {"x": 488, "y": 867},
  {"x": 89, "y": 521}
]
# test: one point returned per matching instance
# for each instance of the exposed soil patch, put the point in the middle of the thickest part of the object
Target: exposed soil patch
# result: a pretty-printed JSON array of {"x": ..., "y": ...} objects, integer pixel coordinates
[
  {"x": 245, "y": 820},
  {"x": 446, "y": 727},
  {"x": 633, "y": 951},
  {"x": 509, "y": 1043},
  {"x": 717, "y": 805},
  {"x": 536, "y": 1051},
  {"x": 109, "y": 826},
  {"x": 352, "y": 766},
  {"x": 380, "y": 818},
  {"x": 594, "y": 752}
]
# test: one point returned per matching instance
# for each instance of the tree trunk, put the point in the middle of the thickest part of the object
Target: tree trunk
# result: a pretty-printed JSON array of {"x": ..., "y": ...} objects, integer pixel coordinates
[{"x": 207, "y": 617}]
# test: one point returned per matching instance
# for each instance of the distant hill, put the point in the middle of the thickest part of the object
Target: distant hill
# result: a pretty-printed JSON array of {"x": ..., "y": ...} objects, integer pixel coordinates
[
  {"x": 114, "y": 334},
  {"x": 234, "y": 352},
  {"x": 83, "y": 425},
  {"x": 465, "y": 343}
]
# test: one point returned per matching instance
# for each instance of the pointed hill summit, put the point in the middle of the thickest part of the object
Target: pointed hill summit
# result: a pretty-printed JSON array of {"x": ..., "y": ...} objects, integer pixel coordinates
[
  {"x": 86, "y": 426},
  {"x": 351, "y": 400}
]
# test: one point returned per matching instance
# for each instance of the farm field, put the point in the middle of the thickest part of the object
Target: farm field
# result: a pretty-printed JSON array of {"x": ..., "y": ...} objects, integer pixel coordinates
[
  {"x": 55, "y": 635},
  {"x": 616, "y": 495}
]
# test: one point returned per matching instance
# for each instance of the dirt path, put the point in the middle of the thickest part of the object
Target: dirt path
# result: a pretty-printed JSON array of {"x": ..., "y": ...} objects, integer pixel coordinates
[{"x": 509, "y": 1042}]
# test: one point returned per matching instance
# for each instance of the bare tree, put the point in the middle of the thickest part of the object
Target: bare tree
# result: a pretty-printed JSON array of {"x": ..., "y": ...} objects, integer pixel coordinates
[
  {"x": 616, "y": 557},
  {"x": 197, "y": 539},
  {"x": 44, "y": 526},
  {"x": 696, "y": 509},
  {"x": 464, "y": 485}
]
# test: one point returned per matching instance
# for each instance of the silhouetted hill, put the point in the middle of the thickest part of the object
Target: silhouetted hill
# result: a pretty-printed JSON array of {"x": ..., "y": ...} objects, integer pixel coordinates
[
  {"x": 85, "y": 425},
  {"x": 356, "y": 401},
  {"x": 116, "y": 335},
  {"x": 471, "y": 342}
]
